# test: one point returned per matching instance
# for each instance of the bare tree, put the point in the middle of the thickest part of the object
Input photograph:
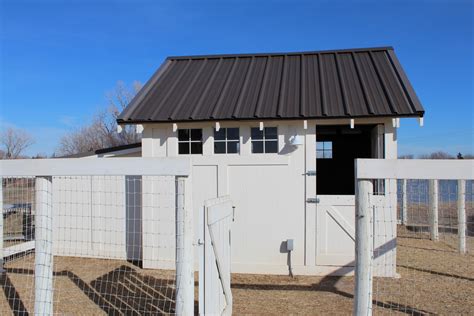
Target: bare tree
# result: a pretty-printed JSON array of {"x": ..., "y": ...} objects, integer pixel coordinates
[
  {"x": 102, "y": 131},
  {"x": 407, "y": 156},
  {"x": 437, "y": 155},
  {"x": 14, "y": 142}
]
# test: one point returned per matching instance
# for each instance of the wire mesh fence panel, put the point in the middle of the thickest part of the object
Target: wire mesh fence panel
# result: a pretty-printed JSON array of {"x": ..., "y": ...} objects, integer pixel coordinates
[
  {"x": 91, "y": 244},
  {"x": 433, "y": 275}
]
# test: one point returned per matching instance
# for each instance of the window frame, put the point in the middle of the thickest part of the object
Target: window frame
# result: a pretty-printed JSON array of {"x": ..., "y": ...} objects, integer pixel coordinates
[
  {"x": 226, "y": 141},
  {"x": 190, "y": 141},
  {"x": 325, "y": 150},
  {"x": 264, "y": 140}
]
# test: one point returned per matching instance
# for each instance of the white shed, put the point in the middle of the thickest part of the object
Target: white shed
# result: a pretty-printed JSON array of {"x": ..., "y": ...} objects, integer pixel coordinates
[{"x": 279, "y": 133}]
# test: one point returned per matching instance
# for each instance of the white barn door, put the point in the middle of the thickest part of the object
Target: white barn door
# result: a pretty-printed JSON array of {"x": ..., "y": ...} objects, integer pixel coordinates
[{"x": 335, "y": 231}]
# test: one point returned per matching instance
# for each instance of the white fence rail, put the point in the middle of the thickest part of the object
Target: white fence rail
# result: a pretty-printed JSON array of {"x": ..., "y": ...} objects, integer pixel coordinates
[
  {"x": 95, "y": 224},
  {"x": 435, "y": 236},
  {"x": 215, "y": 253}
]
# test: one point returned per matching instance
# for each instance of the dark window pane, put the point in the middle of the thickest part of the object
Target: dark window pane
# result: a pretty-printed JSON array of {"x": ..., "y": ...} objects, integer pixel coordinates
[
  {"x": 183, "y": 134},
  {"x": 219, "y": 147},
  {"x": 271, "y": 146},
  {"x": 196, "y": 148},
  {"x": 233, "y": 147},
  {"x": 257, "y": 147},
  {"x": 219, "y": 135},
  {"x": 183, "y": 148},
  {"x": 271, "y": 133},
  {"x": 256, "y": 133},
  {"x": 233, "y": 133},
  {"x": 196, "y": 134}
]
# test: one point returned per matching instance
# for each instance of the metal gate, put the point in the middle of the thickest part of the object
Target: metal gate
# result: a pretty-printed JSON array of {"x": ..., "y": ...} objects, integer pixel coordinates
[{"x": 215, "y": 295}]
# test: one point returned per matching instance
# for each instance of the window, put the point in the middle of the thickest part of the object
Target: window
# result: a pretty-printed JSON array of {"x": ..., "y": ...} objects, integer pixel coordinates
[
  {"x": 265, "y": 141},
  {"x": 323, "y": 150},
  {"x": 189, "y": 141},
  {"x": 226, "y": 141}
]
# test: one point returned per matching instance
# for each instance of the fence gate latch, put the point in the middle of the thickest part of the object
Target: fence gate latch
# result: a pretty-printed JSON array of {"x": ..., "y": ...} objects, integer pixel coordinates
[{"x": 312, "y": 200}]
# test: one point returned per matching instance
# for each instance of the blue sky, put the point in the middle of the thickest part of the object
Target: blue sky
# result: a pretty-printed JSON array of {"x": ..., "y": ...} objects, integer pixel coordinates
[{"x": 58, "y": 59}]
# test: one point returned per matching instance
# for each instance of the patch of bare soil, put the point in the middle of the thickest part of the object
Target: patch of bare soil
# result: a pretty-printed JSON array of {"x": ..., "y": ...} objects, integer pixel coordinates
[{"x": 434, "y": 279}]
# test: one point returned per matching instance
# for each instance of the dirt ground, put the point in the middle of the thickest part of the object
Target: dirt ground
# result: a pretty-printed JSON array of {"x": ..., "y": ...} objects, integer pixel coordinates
[{"x": 434, "y": 279}]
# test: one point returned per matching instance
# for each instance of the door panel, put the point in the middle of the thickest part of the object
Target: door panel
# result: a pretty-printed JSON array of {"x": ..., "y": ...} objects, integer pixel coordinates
[{"x": 335, "y": 231}]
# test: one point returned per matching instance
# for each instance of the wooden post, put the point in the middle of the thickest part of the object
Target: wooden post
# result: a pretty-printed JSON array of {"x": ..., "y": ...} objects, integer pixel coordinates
[
  {"x": 1, "y": 226},
  {"x": 462, "y": 215},
  {"x": 184, "y": 253},
  {"x": 433, "y": 209},
  {"x": 44, "y": 247},
  {"x": 404, "y": 209},
  {"x": 364, "y": 249}
]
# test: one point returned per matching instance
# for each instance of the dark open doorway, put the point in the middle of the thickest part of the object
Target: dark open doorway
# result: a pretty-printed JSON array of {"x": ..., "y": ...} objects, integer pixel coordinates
[{"x": 336, "y": 148}]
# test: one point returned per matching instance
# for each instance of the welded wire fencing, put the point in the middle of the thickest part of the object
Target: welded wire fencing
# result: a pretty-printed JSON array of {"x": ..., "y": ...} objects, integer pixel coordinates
[
  {"x": 428, "y": 226},
  {"x": 92, "y": 244}
]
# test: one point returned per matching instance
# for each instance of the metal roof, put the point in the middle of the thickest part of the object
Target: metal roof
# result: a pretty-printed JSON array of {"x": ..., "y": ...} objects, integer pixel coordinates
[{"x": 324, "y": 84}]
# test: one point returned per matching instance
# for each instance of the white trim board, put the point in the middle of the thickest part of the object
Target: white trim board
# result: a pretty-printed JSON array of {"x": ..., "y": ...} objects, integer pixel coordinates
[
  {"x": 176, "y": 166},
  {"x": 426, "y": 169}
]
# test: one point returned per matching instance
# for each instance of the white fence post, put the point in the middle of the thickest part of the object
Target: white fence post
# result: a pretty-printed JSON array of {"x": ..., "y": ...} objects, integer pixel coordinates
[
  {"x": 44, "y": 247},
  {"x": 1, "y": 226},
  {"x": 462, "y": 215},
  {"x": 184, "y": 252},
  {"x": 364, "y": 249},
  {"x": 404, "y": 202},
  {"x": 433, "y": 209}
]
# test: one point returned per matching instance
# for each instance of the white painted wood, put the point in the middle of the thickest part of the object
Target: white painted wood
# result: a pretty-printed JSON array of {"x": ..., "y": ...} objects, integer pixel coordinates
[
  {"x": 415, "y": 169},
  {"x": 44, "y": 247},
  {"x": 216, "y": 257},
  {"x": 404, "y": 208},
  {"x": 310, "y": 192},
  {"x": 462, "y": 215},
  {"x": 184, "y": 253},
  {"x": 433, "y": 207},
  {"x": 19, "y": 248},
  {"x": 86, "y": 167},
  {"x": 335, "y": 217},
  {"x": 364, "y": 249}
]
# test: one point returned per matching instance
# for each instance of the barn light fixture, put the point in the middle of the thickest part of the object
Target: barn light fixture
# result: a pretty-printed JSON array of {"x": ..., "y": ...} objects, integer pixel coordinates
[
  {"x": 305, "y": 124},
  {"x": 218, "y": 126},
  {"x": 119, "y": 129},
  {"x": 175, "y": 127},
  {"x": 261, "y": 126},
  {"x": 352, "y": 123}
]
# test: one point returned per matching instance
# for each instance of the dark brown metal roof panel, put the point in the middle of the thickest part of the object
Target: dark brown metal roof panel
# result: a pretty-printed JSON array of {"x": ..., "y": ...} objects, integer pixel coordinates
[{"x": 324, "y": 84}]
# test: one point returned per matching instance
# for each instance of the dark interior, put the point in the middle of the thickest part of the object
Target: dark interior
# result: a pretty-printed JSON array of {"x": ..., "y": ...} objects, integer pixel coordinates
[{"x": 335, "y": 176}]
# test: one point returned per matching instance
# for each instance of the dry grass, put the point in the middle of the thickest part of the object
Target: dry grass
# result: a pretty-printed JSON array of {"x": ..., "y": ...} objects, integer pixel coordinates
[{"x": 435, "y": 279}]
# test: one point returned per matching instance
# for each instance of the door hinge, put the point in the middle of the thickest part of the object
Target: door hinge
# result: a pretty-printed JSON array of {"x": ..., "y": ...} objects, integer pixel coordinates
[{"x": 311, "y": 173}]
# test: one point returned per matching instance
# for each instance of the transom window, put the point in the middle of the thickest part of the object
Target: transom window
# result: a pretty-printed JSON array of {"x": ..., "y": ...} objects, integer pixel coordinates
[
  {"x": 226, "y": 141},
  {"x": 265, "y": 141},
  {"x": 190, "y": 141},
  {"x": 324, "y": 150}
]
